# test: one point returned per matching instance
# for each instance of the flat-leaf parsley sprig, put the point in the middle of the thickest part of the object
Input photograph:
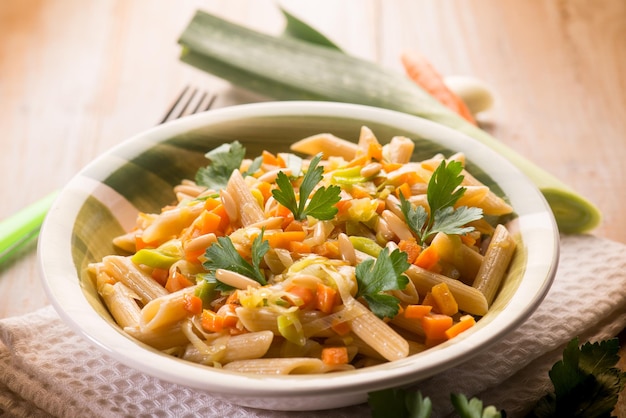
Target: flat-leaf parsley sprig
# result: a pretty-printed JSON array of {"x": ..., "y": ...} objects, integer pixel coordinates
[
  {"x": 442, "y": 193},
  {"x": 377, "y": 276},
  {"x": 321, "y": 205}
]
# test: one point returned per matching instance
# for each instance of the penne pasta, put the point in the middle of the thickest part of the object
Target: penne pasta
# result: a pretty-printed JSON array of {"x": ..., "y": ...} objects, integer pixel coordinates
[
  {"x": 310, "y": 265},
  {"x": 495, "y": 263}
]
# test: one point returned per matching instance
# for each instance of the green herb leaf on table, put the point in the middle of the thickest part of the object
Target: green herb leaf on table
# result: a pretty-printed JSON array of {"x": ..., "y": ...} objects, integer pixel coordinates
[
  {"x": 442, "y": 193},
  {"x": 223, "y": 255},
  {"x": 223, "y": 160},
  {"x": 586, "y": 382},
  {"x": 321, "y": 205},
  {"x": 473, "y": 408},
  {"x": 399, "y": 403},
  {"x": 377, "y": 276}
]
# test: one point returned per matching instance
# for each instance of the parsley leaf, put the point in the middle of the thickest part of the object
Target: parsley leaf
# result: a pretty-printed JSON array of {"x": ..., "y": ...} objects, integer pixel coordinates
[
  {"x": 322, "y": 203},
  {"x": 223, "y": 160},
  {"x": 442, "y": 193},
  {"x": 586, "y": 382},
  {"x": 473, "y": 408},
  {"x": 399, "y": 403},
  {"x": 223, "y": 255},
  {"x": 376, "y": 276}
]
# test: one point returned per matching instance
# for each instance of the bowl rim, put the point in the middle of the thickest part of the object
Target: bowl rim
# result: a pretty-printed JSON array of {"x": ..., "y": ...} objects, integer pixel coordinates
[{"x": 66, "y": 295}]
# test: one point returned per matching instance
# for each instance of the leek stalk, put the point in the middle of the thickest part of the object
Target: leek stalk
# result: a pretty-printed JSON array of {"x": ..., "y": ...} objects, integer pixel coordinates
[{"x": 286, "y": 68}]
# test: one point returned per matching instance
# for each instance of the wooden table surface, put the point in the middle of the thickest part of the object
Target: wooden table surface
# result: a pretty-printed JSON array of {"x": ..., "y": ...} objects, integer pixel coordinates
[{"x": 77, "y": 77}]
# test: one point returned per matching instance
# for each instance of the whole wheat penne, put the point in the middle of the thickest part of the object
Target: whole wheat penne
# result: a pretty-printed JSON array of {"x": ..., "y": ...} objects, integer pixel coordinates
[
  {"x": 250, "y": 211},
  {"x": 399, "y": 150},
  {"x": 467, "y": 297},
  {"x": 284, "y": 366},
  {"x": 491, "y": 204},
  {"x": 327, "y": 144},
  {"x": 162, "y": 338},
  {"x": 495, "y": 263},
  {"x": 122, "y": 303},
  {"x": 166, "y": 310},
  {"x": 170, "y": 222},
  {"x": 377, "y": 333},
  {"x": 123, "y": 270}
]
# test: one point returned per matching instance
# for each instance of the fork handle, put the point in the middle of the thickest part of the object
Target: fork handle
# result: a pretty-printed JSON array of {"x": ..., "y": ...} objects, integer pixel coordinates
[{"x": 23, "y": 225}]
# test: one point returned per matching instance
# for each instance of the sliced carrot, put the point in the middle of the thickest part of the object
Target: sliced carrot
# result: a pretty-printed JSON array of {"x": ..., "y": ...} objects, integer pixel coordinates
[
  {"x": 417, "y": 311},
  {"x": 269, "y": 158},
  {"x": 375, "y": 151},
  {"x": 209, "y": 222},
  {"x": 160, "y": 275},
  {"x": 282, "y": 239},
  {"x": 211, "y": 322},
  {"x": 424, "y": 74},
  {"x": 177, "y": 281},
  {"x": 294, "y": 226},
  {"x": 211, "y": 203},
  {"x": 404, "y": 189},
  {"x": 326, "y": 298},
  {"x": 194, "y": 256},
  {"x": 341, "y": 327},
  {"x": 299, "y": 247},
  {"x": 335, "y": 355},
  {"x": 306, "y": 295},
  {"x": 220, "y": 211},
  {"x": 411, "y": 248},
  {"x": 362, "y": 160},
  {"x": 435, "y": 326},
  {"x": 427, "y": 258},
  {"x": 446, "y": 303},
  {"x": 389, "y": 167},
  {"x": 465, "y": 323},
  {"x": 192, "y": 304}
]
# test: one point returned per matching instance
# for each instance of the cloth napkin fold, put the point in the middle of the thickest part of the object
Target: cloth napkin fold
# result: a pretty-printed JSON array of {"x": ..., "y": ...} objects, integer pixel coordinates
[{"x": 47, "y": 370}]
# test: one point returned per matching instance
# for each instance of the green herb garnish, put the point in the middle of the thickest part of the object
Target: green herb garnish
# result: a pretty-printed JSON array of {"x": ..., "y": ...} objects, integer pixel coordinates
[
  {"x": 321, "y": 205},
  {"x": 223, "y": 255},
  {"x": 376, "y": 276},
  {"x": 223, "y": 160},
  {"x": 442, "y": 193},
  {"x": 586, "y": 382}
]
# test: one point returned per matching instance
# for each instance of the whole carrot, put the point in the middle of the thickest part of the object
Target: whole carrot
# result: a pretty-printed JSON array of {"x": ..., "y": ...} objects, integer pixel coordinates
[{"x": 424, "y": 74}]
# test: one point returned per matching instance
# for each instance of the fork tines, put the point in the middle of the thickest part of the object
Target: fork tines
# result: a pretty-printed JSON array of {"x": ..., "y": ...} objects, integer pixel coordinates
[{"x": 189, "y": 102}]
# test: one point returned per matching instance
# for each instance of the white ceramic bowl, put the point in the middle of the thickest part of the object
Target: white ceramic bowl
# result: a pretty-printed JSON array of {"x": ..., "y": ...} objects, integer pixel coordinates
[{"x": 102, "y": 200}]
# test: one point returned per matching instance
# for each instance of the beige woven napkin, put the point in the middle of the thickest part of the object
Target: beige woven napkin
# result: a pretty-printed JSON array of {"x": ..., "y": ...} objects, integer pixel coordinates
[{"x": 47, "y": 370}]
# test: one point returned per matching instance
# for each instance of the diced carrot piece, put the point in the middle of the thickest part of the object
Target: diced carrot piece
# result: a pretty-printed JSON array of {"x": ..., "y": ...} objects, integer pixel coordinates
[
  {"x": 375, "y": 151},
  {"x": 176, "y": 282},
  {"x": 220, "y": 211},
  {"x": 305, "y": 294},
  {"x": 282, "y": 239},
  {"x": 361, "y": 160},
  {"x": 389, "y": 167},
  {"x": 411, "y": 248},
  {"x": 269, "y": 158},
  {"x": 335, "y": 355},
  {"x": 265, "y": 188},
  {"x": 209, "y": 222},
  {"x": 211, "y": 203},
  {"x": 435, "y": 326},
  {"x": 299, "y": 247},
  {"x": 192, "y": 304},
  {"x": 341, "y": 327},
  {"x": 417, "y": 311},
  {"x": 160, "y": 275},
  {"x": 404, "y": 189},
  {"x": 326, "y": 298},
  {"x": 193, "y": 256},
  {"x": 211, "y": 322},
  {"x": 430, "y": 301},
  {"x": 427, "y": 258},
  {"x": 342, "y": 207},
  {"x": 465, "y": 323},
  {"x": 294, "y": 226},
  {"x": 358, "y": 192},
  {"x": 444, "y": 299}
]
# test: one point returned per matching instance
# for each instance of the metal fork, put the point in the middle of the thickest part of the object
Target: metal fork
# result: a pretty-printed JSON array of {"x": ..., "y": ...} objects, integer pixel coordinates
[{"x": 23, "y": 226}]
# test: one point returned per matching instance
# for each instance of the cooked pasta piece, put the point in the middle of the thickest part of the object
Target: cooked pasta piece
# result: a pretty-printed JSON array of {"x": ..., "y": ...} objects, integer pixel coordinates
[
  {"x": 250, "y": 211},
  {"x": 327, "y": 144},
  {"x": 166, "y": 310},
  {"x": 123, "y": 270},
  {"x": 284, "y": 366},
  {"x": 495, "y": 263},
  {"x": 122, "y": 303}
]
